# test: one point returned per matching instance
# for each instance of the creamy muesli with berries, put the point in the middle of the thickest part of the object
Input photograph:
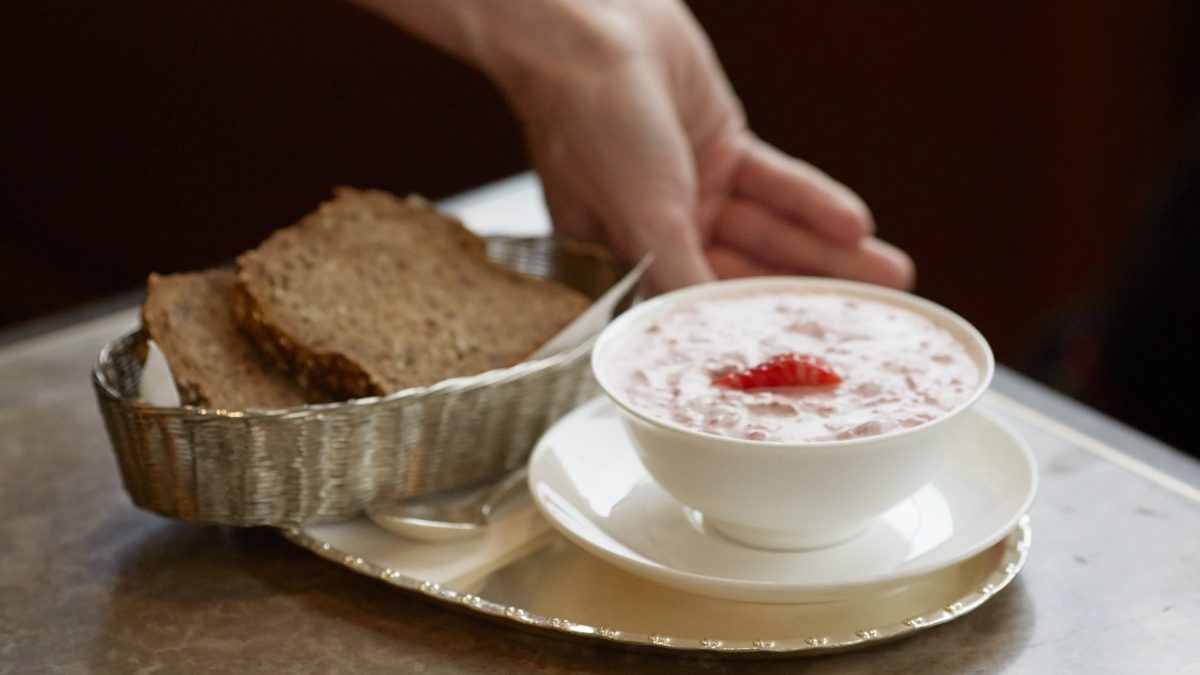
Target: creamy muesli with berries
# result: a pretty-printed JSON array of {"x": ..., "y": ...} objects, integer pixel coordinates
[{"x": 793, "y": 366}]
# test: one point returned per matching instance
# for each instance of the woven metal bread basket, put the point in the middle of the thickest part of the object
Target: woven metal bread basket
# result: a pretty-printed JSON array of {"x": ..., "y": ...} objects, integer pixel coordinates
[{"x": 327, "y": 462}]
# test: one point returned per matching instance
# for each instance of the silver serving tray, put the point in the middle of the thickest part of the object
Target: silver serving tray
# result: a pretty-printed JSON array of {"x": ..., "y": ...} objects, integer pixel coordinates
[
  {"x": 547, "y": 584},
  {"x": 320, "y": 463}
]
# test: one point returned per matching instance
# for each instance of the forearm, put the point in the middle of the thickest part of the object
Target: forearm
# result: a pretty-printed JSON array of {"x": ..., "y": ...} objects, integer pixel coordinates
[{"x": 640, "y": 141}]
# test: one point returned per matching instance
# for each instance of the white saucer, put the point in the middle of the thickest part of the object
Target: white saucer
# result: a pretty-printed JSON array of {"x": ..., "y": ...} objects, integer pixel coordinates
[{"x": 587, "y": 480}]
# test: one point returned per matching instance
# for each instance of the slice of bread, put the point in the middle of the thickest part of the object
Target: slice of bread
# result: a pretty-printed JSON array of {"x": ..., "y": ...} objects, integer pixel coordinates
[
  {"x": 372, "y": 294},
  {"x": 190, "y": 318}
]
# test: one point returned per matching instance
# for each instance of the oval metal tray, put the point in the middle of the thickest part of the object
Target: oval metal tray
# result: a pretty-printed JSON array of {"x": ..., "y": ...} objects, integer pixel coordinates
[{"x": 548, "y": 584}]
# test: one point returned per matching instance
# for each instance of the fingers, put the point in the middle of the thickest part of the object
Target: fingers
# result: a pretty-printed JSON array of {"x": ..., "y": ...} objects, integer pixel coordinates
[
  {"x": 888, "y": 265},
  {"x": 625, "y": 165},
  {"x": 729, "y": 263},
  {"x": 774, "y": 243},
  {"x": 642, "y": 222},
  {"x": 801, "y": 191},
  {"x": 569, "y": 216},
  {"x": 672, "y": 236}
]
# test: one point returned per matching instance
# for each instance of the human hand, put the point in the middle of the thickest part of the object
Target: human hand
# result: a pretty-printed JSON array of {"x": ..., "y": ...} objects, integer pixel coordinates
[
  {"x": 644, "y": 144},
  {"x": 640, "y": 142}
]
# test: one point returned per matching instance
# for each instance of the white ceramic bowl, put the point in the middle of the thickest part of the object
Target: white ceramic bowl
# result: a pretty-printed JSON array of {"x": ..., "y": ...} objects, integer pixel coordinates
[{"x": 780, "y": 495}]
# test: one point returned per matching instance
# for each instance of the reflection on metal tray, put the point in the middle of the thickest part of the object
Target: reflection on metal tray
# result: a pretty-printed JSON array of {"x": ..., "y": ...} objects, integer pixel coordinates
[
  {"x": 327, "y": 462},
  {"x": 530, "y": 577}
]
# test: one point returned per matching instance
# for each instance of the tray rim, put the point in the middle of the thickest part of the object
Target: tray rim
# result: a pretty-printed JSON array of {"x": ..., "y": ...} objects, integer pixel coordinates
[{"x": 1013, "y": 556}]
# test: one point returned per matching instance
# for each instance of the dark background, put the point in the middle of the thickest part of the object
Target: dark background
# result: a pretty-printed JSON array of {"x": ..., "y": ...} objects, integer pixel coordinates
[{"x": 1018, "y": 149}]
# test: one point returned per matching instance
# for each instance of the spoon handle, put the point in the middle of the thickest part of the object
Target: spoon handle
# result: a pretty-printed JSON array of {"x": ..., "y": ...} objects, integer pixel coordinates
[
  {"x": 437, "y": 520},
  {"x": 505, "y": 488}
]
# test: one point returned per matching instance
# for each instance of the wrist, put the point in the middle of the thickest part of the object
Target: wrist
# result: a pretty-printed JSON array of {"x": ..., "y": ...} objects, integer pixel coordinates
[{"x": 518, "y": 43}]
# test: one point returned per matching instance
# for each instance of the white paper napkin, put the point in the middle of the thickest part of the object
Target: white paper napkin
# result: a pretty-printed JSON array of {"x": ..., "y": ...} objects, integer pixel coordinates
[
  {"x": 594, "y": 317},
  {"x": 156, "y": 385}
]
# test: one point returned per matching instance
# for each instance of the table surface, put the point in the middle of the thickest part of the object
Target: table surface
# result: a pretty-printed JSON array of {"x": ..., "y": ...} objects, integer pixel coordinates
[{"x": 89, "y": 583}]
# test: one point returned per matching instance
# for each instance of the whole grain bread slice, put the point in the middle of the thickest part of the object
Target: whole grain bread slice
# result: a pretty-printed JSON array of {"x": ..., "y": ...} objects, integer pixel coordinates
[
  {"x": 190, "y": 317},
  {"x": 372, "y": 294}
]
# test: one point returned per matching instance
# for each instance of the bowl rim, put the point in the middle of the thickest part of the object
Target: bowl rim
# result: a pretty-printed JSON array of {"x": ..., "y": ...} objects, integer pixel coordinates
[{"x": 904, "y": 299}]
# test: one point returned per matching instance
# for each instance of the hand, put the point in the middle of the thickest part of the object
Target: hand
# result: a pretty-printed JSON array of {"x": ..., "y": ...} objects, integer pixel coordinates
[
  {"x": 640, "y": 141},
  {"x": 645, "y": 145}
]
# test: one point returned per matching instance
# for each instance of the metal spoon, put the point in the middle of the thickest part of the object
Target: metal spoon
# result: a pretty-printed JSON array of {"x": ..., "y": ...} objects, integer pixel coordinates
[{"x": 450, "y": 516}]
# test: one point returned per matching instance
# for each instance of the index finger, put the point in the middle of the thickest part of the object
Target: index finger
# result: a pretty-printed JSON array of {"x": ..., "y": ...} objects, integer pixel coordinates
[{"x": 802, "y": 192}]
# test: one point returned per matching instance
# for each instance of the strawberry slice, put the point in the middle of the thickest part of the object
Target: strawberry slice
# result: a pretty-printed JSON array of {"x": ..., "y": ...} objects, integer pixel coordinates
[{"x": 785, "y": 370}]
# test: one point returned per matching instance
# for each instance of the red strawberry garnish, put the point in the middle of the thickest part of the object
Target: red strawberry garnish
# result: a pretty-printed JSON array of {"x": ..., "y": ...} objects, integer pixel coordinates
[{"x": 785, "y": 370}]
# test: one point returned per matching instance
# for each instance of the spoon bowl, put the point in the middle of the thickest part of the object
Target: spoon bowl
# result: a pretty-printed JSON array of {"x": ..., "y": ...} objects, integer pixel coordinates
[{"x": 453, "y": 515}]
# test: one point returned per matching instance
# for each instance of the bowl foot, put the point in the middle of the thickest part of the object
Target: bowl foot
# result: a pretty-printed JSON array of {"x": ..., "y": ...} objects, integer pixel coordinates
[{"x": 782, "y": 539}]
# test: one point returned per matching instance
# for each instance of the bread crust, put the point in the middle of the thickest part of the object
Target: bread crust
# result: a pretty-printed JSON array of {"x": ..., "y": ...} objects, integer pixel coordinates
[
  {"x": 372, "y": 293},
  {"x": 313, "y": 371},
  {"x": 190, "y": 317}
]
